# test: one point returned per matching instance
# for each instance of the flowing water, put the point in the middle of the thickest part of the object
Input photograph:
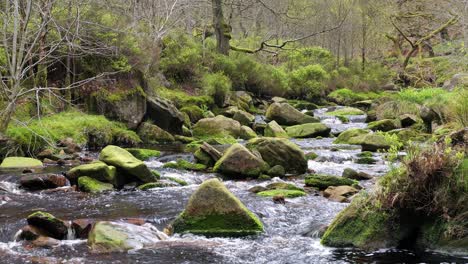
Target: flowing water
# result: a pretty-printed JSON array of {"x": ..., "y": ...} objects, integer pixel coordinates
[{"x": 291, "y": 229}]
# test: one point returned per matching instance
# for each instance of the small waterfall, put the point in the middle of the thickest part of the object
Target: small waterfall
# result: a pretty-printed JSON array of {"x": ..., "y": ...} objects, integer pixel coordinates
[
  {"x": 9, "y": 187},
  {"x": 70, "y": 231}
]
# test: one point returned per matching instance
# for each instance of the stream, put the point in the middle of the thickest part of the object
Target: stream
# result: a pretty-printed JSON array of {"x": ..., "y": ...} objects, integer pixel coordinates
[{"x": 291, "y": 229}]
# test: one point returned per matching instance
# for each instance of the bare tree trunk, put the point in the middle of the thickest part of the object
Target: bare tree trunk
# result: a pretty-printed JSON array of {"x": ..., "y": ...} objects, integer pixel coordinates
[
  {"x": 6, "y": 115},
  {"x": 221, "y": 28}
]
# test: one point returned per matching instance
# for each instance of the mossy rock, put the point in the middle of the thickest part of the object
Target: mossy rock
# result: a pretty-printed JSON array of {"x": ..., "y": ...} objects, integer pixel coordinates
[
  {"x": 243, "y": 117},
  {"x": 273, "y": 129},
  {"x": 122, "y": 159},
  {"x": 203, "y": 158},
  {"x": 154, "y": 185},
  {"x": 239, "y": 162},
  {"x": 48, "y": 224},
  {"x": 383, "y": 125},
  {"x": 322, "y": 182},
  {"x": 311, "y": 156},
  {"x": 194, "y": 112},
  {"x": 88, "y": 184},
  {"x": 152, "y": 134},
  {"x": 247, "y": 133},
  {"x": 279, "y": 151},
  {"x": 20, "y": 162},
  {"x": 303, "y": 105},
  {"x": 360, "y": 227},
  {"x": 182, "y": 164},
  {"x": 144, "y": 154},
  {"x": 352, "y": 136},
  {"x": 285, "y": 114},
  {"x": 177, "y": 180},
  {"x": 217, "y": 127},
  {"x": 107, "y": 237},
  {"x": 409, "y": 134},
  {"x": 277, "y": 171},
  {"x": 366, "y": 160},
  {"x": 346, "y": 111},
  {"x": 214, "y": 211},
  {"x": 281, "y": 192},
  {"x": 97, "y": 170},
  {"x": 308, "y": 130},
  {"x": 283, "y": 186},
  {"x": 374, "y": 142}
]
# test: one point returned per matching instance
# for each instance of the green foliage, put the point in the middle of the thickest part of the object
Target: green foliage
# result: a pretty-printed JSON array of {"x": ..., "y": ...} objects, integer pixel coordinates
[
  {"x": 347, "y": 96},
  {"x": 144, "y": 154},
  {"x": 281, "y": 192},
  {"x": 419, "y": 96},
  {"x": 302, "y": 57},
  {"x": 181, "y": 98},
  {"x": 218, "y": 86},
  {"x": 308, "y": 82},
  {"x": 83, "y": 128}
]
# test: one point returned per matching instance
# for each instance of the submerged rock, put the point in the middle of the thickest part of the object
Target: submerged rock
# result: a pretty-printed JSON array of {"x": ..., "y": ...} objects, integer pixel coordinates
[
  {"x": 48, "y": 224},
  {"x": 43, "y": 181},
  {"x": 285, "y": 114},
  {"x": 19, "y": 163},
  {"x": 273, "y": 129},
  {"x": 122, "y": 159},
  {"x": 120, "y": 237},
  {"x": 278, "y": 151},
  {"x": 214, "y": 211},
  {"x": 88, "y": 184},
  {"x": 239, "y": 162},
  {"x": 322, "y": 182},
  {"x": 97, "y": 170},
  {"x": 308, "y": 130},
  {"x": 282, "y": 192}
]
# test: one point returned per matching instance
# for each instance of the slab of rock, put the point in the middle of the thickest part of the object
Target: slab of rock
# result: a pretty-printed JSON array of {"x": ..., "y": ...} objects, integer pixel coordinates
[
  {"x": 339, "y": 193},
  {"x": 273, "y": 129},
  {"x": 214, "y": 211},
  {"x": 97, "y": 170},
  {"x": 165, "y": 115},
  {"x": 48, "y": 224},
  {"x": 308, "y": 130},
  {"x": 285, "y": 114},
  {"x": 217, "y": 127},
  {"x": 383, "y": 125},
  {"x": 20, "y": 163}
]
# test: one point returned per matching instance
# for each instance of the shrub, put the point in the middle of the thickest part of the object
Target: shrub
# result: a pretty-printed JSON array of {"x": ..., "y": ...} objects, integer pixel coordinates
[
  {"x": 346, "y": 96},
  {"x": 308, "y": 82},
  {"x": 217, "y": 85},
  {"x": 306, "y": 56}
]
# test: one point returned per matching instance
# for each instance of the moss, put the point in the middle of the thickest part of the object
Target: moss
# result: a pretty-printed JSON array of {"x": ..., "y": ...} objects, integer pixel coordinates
[
  {"x": 346, "y": 111},
  {"x": 203, "y": 158},
  {"x": 194, "y": 112},
  {"x": 366, "y": 160},
  {"x": 365, "y": 154},
  {"x": 283, "y": 186},
  {"x": 91, "y": 185},
  {"x": 214, "y": 211},
  {"x": 152, "y": 134},
  {"x": 264, "y": 177},
  {"x": 308, "y": 130},
  {"x": 311, "y": 156},
  {"x": 153, "y": 185},
  {"x": 104, "y": 237},
  {"x": 324, "y": 181},
  {"x": 273, "y": 129},
  {"x": 351, "y": 136},
  {"x": 144, "y": 154},
  {"x": 185, "y": 165},
  {"x": 177, "y": 180},
  {"x": 156, "y": 174},
  {"x": 20, "y": 162},
  {"x": 238, "y": 161},
  {"x": 93, "y": 130},
  {"x": 182, "y": 99},
  {"x": 342, "y": 118},
  {"x": 383, "y": 125},
  {"x": 361, "y": 227},
  {"x": 96, "y": 170},
  {"x": 284, "y": 193},
  {"x": 43, "y": 215}
]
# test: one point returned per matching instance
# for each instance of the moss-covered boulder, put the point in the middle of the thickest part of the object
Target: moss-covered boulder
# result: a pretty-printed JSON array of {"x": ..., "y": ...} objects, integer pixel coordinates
[
  {"x": 97, "y": 170},
  {"x": 88, "y": 184},
  {"x": 308, "y": 130},
  {"x": 363, "y": 227},
  {"x": 48, "y": 224},
  {"x": 217, "y": 127},
  {"x": 374, "y": 142},
  {"x": 283, "y": 193},
  {"x": 154, "y": 185},
  {"x": 239, "y": 162},
  {"x": 120, "y": 237},
  {"x": 285, "y": 114},
  {"x": 279, "y": 151},
  {"x": 214, "y": 211},
  {"x": 182, "y": 164},
  {"x": 122, "y": 159},
  {"x": 243, "y": 117},
  {"x": 322, "y": 182},
  {"x": 346, "y": 111},
  {"x": 20, "y": 162},
  {"x": 194, "y": 112},
  {"x": 247, "y": 133},
  {"x": 351, "y": 136},
  {"x": 354, "y": 175},
  {"x": 152, "y": 134},
  {"x": 283, "y": 186},
  {"x": 277, "y": 171},
  {"x": 383, "y": 125},
  {"x": 273, "y": 129},
  {"x": 144, "y": 154},
  {"x": 165, "y": 115}
]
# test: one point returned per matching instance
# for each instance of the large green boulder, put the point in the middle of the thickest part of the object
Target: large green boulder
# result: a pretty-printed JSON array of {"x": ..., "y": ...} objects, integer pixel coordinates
[
  {"x": 239, "y": 162},
  {"x": 374, "y": 142},
  {"x": 280, "y": 151},
  {"x": 322, "y": 182},
  {"x": 153, "y": 134},
  {"x": 20, "y": 162},
  {"x": 97, "y": 170},
  {"x": 217, "y": 127},
  {"x": 353, "y": 136},
  {"x": 107, "y": 237},
  {"x": 308, "y": 130},
  {"x": 122, "y": 159},
  {"x": 48, "y": 224},
  {"x": 214, "y": 211},
  {"x": 273, "y": 129},
  {"x": 383, "y": 125},
  {"x": 285, "y": 114},
  {"x": 91, "y": 185}
]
